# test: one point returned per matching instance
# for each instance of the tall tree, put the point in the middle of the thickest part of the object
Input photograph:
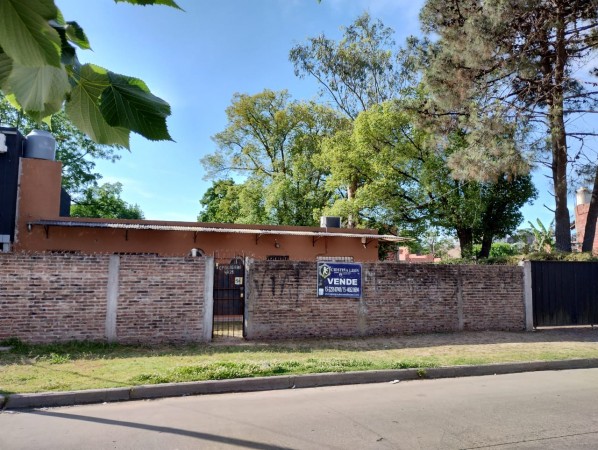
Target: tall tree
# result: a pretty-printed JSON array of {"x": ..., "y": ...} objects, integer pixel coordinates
[
  {"x": 522, "y": 56},
  {"x": 105, "y": 202},
  {"x": 361, "y": 70},
  {"x": 40, "y": 73},
  {"x": 272, "y": 141},
  {"x": 405, "y": 179}
]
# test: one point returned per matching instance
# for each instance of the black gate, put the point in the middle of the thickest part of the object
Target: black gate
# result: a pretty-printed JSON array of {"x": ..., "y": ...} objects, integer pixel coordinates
[
  {"x": 564, "y": 293},
  {"x": 229, "y": 304}
]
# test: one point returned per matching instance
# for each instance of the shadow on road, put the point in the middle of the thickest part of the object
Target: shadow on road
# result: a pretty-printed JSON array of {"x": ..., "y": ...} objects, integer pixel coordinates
[{"x": 159, "y": 429}]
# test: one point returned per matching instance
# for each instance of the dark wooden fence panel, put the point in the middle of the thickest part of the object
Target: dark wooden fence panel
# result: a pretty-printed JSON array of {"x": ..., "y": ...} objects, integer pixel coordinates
[{"x": 564, "y": 293}]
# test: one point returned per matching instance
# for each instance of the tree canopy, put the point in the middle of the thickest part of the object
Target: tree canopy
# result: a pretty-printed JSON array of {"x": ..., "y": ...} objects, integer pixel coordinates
[
  {"x": 378, "y": 162},
  {"x": 520, "y": 61},
  {"x": 41, "y": 74},
  {"x": 272, "y": 141},
  {"x": 403, "y": 178},
  {"x": 357, "y": 72},
  {"x": 105, "y": 202}
]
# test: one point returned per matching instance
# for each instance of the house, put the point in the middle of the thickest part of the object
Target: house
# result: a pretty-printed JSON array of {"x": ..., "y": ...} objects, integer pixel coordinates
[
  {"x": 582, "y": 200},
  {"x": 34, "y": 218}
]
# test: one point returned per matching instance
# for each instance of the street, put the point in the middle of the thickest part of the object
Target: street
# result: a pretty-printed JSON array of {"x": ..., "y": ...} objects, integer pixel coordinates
[{"x": 542, "y": 410}]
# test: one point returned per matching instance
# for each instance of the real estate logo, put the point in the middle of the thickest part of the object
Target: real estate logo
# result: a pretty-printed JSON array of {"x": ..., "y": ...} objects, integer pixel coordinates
[{"x": 325, "y": 270}]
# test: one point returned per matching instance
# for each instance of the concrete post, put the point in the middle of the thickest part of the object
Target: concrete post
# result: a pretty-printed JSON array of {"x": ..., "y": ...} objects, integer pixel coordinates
[
  {"x": 247, "y": 298},
  {"x": 208, "y": 299},
  {"x": 460, "y": 319},
  {"x": 527, "y": 295},
  {"x": 112, "y": 297}
]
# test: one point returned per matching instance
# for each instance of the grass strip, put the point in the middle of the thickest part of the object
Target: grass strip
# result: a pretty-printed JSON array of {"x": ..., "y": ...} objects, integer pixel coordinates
[{"x": 87, "y": 365}]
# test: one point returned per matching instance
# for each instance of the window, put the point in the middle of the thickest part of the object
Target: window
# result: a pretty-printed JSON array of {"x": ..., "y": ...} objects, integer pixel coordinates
[{"x": 335, "y": 258}]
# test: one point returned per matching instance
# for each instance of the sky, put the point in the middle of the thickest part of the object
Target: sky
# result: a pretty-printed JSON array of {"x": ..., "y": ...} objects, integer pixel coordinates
[{"x": 197, "y": 59}]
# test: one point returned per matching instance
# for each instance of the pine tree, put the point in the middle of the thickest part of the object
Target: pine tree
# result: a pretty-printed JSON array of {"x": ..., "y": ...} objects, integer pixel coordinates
[{"x": 521, "y": 56}]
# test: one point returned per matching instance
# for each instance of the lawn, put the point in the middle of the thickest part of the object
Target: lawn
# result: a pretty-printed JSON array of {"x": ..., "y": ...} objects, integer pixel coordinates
[{"x": 84, "y": 365}]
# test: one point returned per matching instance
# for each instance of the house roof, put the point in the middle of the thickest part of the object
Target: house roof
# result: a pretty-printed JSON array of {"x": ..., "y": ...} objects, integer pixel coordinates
[{"x": 203, "y": 228}]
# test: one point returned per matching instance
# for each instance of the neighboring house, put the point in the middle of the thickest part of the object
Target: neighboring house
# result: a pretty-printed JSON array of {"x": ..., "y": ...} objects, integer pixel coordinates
[
  {"x": 404, "y": 256},
  {"x": 582, "y": 206}
]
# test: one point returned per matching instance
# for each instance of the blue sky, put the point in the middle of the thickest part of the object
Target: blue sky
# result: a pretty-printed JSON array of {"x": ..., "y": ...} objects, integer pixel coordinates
[{"x": 197, "y": 59}]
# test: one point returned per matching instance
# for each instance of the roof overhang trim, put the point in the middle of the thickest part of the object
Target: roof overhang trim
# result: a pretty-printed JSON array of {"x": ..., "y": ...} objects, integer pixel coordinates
[{"x": 201, "y": 229}]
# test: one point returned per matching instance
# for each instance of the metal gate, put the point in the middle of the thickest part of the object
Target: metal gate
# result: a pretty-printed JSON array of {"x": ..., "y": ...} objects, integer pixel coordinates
[
  {"x": 564, "y": 293},
  {"x": 229, "y": 302}
]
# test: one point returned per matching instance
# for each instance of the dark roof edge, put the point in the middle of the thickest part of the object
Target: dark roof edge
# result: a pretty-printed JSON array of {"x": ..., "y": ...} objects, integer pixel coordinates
[{"x": 204, "y": 229}]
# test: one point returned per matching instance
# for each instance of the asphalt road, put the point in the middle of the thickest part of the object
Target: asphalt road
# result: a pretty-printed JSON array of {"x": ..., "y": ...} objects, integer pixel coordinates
[{"x": 542, "y": 410}]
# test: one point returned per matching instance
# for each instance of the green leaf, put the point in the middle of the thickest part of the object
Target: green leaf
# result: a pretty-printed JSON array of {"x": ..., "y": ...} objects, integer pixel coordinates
[
  {"x": 83, "y": 108},
  {"x": 12, "y": 100},
  {"x": 171, "y": 3},
  {"x": 25, "y": 34},
  {"x": 59, "y": 20},
  {"x": 77, "y": 36},
  {"x": 48, "y": 121},
  {"x": 5, "y": 67},
  {"x": 39, "y": 90},
  {"x": 68, "y": 52},
  {"x": 127, "y": 102}
]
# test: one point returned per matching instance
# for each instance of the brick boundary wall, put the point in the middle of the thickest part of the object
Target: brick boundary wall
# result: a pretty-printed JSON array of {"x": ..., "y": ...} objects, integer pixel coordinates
[
  {"x": 149, "y": 299},
  {"x": 128, "y": 298},
  {"x": 281, "y": 300}
]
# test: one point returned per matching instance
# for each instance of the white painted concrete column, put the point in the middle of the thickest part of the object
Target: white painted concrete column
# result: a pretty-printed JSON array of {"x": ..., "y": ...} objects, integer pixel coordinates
[
  {"x": 527, "y": 295},
  {"x": 112, "y": 297},
  {"x": 208, "y": 299},
  {"x": 247, "y": 296}
]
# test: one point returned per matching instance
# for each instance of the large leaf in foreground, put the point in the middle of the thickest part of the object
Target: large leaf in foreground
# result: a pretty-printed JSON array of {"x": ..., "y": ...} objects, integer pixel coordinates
[
  {"x": 39, "y": 90},
  {"x": 83, "y": 108},
  {"x": 5, "y": 67},
  {"x": 25, "y": 34},
  {"x": 151, "y": 2},
  {"x": 127, "y": 102}
]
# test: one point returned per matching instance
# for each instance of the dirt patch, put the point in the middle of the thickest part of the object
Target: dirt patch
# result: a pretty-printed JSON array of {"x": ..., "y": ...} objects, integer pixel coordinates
[{"x": 544, "y": 335}]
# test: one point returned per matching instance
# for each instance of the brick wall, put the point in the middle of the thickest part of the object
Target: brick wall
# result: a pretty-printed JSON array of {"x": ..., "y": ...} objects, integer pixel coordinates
[
  {"x": 63, "y": 297},
  {"x": 160, "y": 299},
  {"x": 47, "y": 298},
  {"x": 397, "y": 298}
]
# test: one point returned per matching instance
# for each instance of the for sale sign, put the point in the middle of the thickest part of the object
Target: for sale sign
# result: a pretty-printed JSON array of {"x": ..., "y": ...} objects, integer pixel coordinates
[{"x": 339, "y": 280}]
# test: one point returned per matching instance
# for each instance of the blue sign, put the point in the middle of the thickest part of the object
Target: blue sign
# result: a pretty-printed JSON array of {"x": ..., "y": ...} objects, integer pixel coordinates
[{"x": 339, "y": 280}]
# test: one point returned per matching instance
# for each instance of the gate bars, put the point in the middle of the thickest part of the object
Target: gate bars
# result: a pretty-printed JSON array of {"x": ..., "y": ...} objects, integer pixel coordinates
[{"x": 229, "y": 302}]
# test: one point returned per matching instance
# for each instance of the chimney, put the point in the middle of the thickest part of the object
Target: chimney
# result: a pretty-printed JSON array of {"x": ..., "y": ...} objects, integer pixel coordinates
[{"x": 583, "y": 196}]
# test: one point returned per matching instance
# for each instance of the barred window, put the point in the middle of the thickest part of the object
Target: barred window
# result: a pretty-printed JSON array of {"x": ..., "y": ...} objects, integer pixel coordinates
[{"x": 335, "y": 258}]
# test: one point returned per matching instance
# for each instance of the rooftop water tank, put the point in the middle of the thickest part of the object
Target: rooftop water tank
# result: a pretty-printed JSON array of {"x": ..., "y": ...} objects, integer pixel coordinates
[{"x": 40, "y": 145}]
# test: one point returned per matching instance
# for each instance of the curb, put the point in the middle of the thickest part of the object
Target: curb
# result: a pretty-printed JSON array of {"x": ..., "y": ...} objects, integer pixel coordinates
[{"x": 145, "y": 392}]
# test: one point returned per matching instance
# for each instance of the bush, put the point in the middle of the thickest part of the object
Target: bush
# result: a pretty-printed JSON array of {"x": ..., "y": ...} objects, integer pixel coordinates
[
  {"x": 503, "y": 260},
  {"x": 559, "y": 256},
  {"x": 498, "y": 250}
]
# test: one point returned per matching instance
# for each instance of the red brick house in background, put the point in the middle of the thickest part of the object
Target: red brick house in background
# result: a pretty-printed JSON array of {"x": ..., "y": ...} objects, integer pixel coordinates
[{"x": 582, "y": 206}]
